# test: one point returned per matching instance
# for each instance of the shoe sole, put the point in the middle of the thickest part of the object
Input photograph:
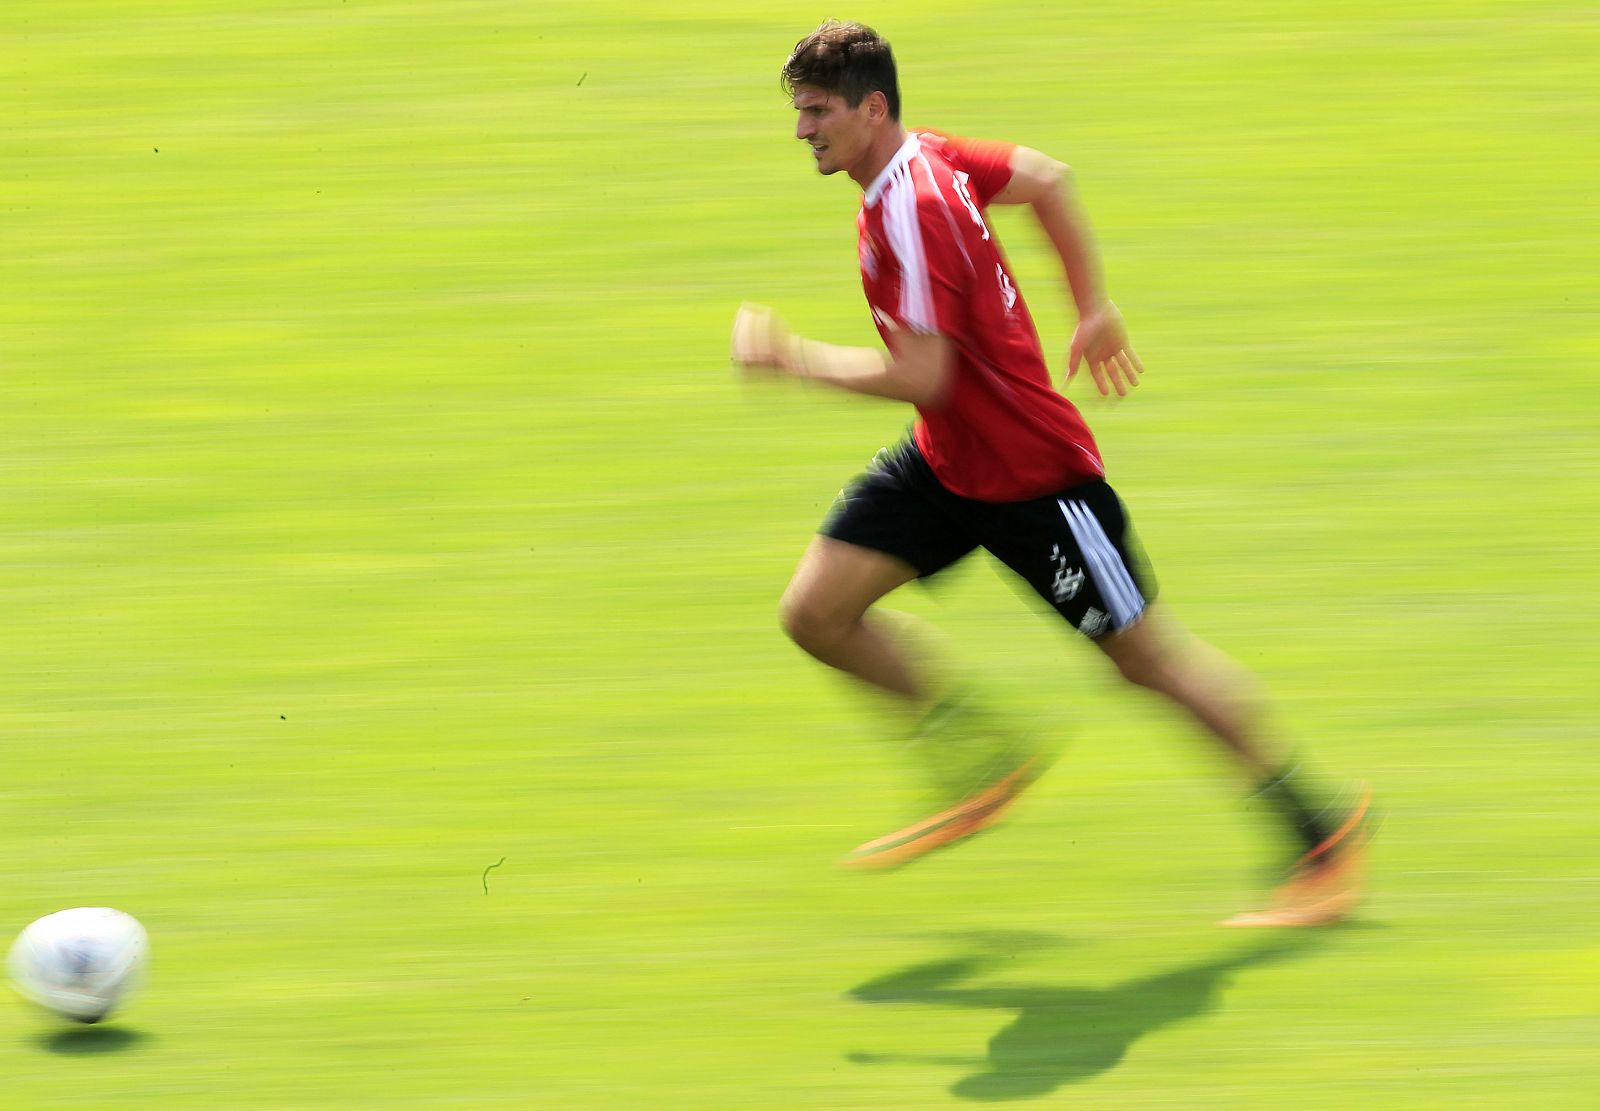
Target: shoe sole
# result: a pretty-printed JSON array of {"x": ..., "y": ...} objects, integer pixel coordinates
[
  {"x": 1326, "y": 912},
  {"x": 968, "y": 817},
  {"x": 1351, "y": 838}
]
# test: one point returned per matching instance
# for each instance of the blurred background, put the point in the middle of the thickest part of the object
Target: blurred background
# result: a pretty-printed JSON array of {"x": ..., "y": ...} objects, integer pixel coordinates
[{"x": 378, "y": 504}]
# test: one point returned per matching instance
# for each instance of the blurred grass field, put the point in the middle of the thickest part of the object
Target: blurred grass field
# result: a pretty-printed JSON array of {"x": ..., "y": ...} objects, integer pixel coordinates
[{"x": 378, "y": 505}]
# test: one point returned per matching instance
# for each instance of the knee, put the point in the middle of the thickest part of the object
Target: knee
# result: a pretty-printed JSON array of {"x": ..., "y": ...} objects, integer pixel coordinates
[
  {"x": 1143, "y": 671},
  {"x": 1175, "y": 674},
  {"x": 1152, "y": 667},
  {"x": 809, "y": 623}
]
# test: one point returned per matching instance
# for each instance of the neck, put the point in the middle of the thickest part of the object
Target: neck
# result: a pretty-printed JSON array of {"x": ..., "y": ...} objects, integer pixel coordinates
[{"x": 865, "y": 172}]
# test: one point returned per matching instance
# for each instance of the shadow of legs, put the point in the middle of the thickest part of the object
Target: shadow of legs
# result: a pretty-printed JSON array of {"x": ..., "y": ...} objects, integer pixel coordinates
[{"x": 1064, "y": 1035}]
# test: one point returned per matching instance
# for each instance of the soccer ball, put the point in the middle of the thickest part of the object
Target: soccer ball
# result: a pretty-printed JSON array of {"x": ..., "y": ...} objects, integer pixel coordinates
[{"x": 79, "y": 963}]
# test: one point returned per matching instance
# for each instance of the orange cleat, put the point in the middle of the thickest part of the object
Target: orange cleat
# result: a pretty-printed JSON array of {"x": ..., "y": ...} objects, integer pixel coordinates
[
  {"x": 971, "y": 815},
  {"x": 1326, "y": 883}
]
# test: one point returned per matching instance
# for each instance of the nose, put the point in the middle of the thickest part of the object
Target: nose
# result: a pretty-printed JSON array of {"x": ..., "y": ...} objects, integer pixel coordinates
[{"x": 805, "y": 127}]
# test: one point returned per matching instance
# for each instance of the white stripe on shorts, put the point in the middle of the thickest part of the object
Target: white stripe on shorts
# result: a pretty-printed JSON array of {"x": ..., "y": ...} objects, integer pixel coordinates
[{"x": 1104, "y": 562}]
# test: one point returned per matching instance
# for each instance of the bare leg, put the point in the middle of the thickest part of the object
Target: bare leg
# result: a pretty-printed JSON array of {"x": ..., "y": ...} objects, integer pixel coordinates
[
  {"x": 825, "y": 609},
  {"x": 1161, "y": 656},
  {"x": 979, "y": 770}
]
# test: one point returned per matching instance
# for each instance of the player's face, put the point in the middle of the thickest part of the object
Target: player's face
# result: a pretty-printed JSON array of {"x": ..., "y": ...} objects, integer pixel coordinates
[{"x": 839, "y": 135}]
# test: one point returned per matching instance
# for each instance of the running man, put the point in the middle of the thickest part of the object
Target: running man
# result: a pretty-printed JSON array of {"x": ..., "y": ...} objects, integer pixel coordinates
[{"x": 997, "y": 457}]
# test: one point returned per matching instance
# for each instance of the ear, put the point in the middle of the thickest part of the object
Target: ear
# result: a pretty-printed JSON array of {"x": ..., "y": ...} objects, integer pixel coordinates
[{"x": 877, "y": 106}]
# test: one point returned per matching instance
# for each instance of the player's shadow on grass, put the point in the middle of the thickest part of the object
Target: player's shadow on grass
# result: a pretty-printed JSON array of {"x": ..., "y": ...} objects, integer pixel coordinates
[
  {"x": 91, "y": 1039},
  {"x": 1060, "y": 1035}
]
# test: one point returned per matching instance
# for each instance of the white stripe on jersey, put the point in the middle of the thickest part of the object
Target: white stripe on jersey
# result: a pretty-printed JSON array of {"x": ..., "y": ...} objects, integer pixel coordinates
[
  {"x": 899, "y": 203},
  {"x": 949, "y": 215},
  {"x": 1110, "y": 574}
]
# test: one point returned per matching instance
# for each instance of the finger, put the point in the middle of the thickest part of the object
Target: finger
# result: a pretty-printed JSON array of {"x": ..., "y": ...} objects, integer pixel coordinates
[
  {"x": 758, "y": 334},
  {"x": 1130, "y": 375},
  {"x": 1074, "y": 357},
  {"x": 1129, "y": 378},
  {"x": 1114, "y": 373},
  {"x": 742, "y": 324},
  {"x": 1098, "y": 370},
  {"x": 753, "y": 343},
  {"x": 1134, "y": 359},
  {"x": 1114, "y": 376}
]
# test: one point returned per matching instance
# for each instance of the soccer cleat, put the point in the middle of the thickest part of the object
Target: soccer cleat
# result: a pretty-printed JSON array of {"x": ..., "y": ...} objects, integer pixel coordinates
[
  {"x": 972, "y": 815},
  {"x": 1325, "y": 884}
]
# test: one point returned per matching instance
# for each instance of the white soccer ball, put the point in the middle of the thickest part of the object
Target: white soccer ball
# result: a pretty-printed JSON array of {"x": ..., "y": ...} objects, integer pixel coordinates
[{"x": 79, "y": 963}]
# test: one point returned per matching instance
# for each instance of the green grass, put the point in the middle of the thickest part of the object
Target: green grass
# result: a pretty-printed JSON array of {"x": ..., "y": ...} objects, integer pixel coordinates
[{"x": 377, "y": 504}]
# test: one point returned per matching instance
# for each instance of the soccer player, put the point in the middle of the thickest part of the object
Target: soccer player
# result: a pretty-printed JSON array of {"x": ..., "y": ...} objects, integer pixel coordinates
[{"x": 997, "y": 458}]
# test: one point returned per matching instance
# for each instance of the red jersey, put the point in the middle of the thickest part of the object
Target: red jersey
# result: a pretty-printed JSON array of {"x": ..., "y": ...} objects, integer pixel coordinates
[{"x": 930, "y": 264}]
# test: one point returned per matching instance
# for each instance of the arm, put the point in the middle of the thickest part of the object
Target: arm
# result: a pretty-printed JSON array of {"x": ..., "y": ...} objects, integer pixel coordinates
[
  {"x": 1045, "y": 184},
  {"x": 918, "y": 372}
]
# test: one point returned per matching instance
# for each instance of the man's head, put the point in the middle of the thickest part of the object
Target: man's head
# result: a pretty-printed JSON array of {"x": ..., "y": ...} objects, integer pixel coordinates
[
  {"x": 842, "y": 80},
  {"x": 847, "y": 60}
]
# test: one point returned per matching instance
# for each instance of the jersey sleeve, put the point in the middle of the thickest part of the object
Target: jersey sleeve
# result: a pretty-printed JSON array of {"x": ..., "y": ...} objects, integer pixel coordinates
[{"x": 987, "y": 164}]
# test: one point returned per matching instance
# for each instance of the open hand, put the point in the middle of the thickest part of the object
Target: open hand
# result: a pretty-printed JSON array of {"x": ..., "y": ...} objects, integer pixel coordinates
[{"x": 1101, "y": 340}]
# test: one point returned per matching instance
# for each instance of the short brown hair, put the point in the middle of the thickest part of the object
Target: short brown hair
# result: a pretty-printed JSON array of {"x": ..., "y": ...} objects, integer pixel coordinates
[{"x": 845, "y": 59}]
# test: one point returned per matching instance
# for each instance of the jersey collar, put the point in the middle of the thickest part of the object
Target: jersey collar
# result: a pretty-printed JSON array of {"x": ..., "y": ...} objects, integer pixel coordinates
[{"x": 907, "y": 151}]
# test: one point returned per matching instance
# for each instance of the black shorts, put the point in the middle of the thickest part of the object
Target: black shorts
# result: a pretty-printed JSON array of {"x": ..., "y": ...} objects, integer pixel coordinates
[{"x": 1075, "y": 547}]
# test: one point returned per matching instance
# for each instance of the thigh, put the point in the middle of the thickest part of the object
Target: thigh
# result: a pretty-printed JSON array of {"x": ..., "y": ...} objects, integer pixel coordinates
[
  {"x": 837, "y": 582},
  {"x": 1148, "y": 652},
  {"x": 1078, "y": 552}
]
